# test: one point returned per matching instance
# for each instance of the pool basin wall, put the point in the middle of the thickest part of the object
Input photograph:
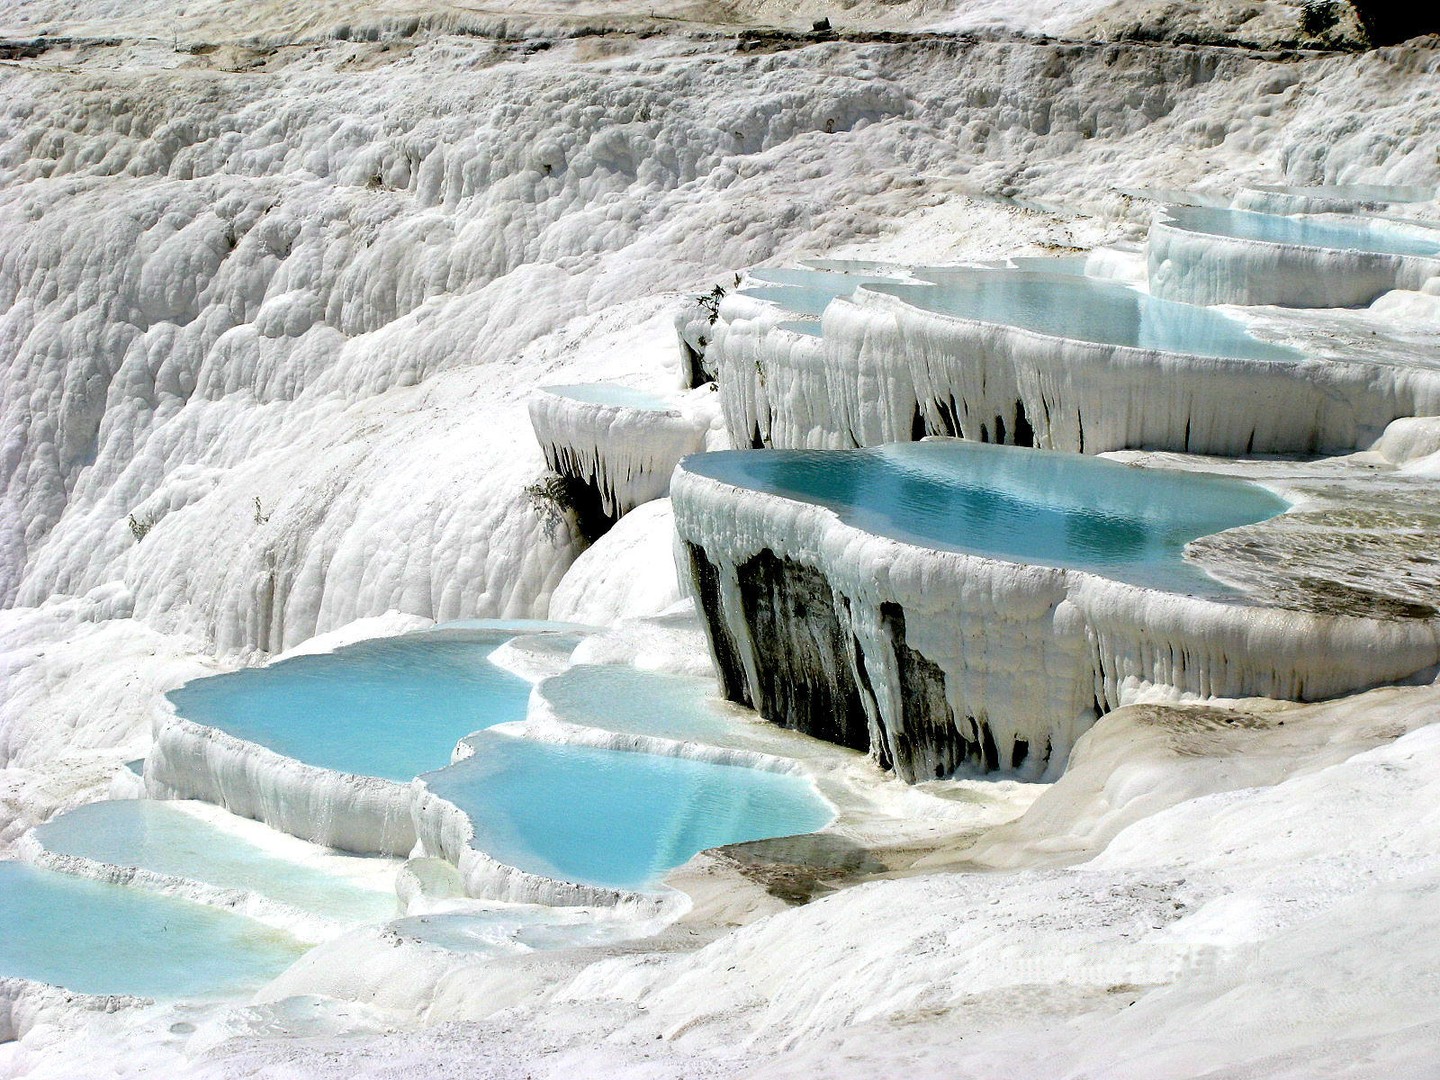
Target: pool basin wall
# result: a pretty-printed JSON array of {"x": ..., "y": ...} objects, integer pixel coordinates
[
  {"x": 444, "y": 831},
  {"x": 1197, "y": 267},
  {"x": 887, "y": 371},
  {"x": 363, "y": 814},
  {"x": 621, "y": 455},
  {"x": 934, "y": 660},
  {"x": 1331, "y": 198}
]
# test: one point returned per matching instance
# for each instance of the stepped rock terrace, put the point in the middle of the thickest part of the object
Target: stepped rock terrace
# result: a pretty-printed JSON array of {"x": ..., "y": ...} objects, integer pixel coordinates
[
  {"x": 1209, "y": 255},
  {"x": 949, "y": 605},
  {"x": 324, "y": 747},
  {"x": 613, "y": 446},
  {"x": 1057, "y": 361}
]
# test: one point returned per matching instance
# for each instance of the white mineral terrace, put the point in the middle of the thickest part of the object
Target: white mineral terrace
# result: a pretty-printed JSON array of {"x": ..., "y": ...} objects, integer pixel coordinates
[
  {"x": 1208, "y": 255},
  {"x": 621, "y": 444},
  {"x": 939, "y": 656},
  {"x": 1337, "y": 199},
  {"x": 1063, "y": 362}
]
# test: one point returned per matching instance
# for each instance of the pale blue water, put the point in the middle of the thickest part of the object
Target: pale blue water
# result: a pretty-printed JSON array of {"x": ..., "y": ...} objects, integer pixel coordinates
[
  {"x": 1398, "y": 193},
  {"x": 808, "y": 292},
  {"x": 163, "y": 838},
  {"x": 392, "y": 707},
  {"x": 1021, "y": 505},
  {"x": 613, "y": 818},
  {"x": 96, "y": 938},
  {"x": 1309, "y": 232},
  {"x": 1086, "y": 309},
  {"x": 837, "y": 276},
  {"x": 809, "y": 329},
  {"x": 634, "y": 702},
  {"x": 611, "y": 394}
]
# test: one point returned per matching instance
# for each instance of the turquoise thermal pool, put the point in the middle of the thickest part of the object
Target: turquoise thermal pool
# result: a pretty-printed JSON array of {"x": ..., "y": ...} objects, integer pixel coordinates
[
  {"x": 1085, "y": 309},
  {"x": 633, "y": 702},
  {"x": 392, "y": 707},
  {"x": 97, "y": 938},
  {"x": 613, "y": 818},
  {"x": 611, "y": 394},
  {"x": 1356, "y": 234},
  {"x": 167, "y": 838},
  {"x": 1011, "y": 503},
  {"x": 1398, "y": 193},
  {"x": 807, "y": 292}
]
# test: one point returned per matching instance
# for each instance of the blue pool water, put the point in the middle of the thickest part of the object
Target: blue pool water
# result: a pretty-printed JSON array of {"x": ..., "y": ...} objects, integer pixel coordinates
[
  {"x": 104, "y": 939},
  {"x": 1358, "y": 192},
  {"x": 1022, "y": 505},
  {"x": 807, "y": 292},
  {"x": 612, "y": 818},
  {"x": 1359, "y": 235},
  {"x": 611, "y": 394},
  {"x": 634, "y": 702},
  {"x": 167, "y": 839},
  {"x": 1086, "y": 309},
  {"x": 392, "y": 707},
  {"x": 809, "y": 329}
]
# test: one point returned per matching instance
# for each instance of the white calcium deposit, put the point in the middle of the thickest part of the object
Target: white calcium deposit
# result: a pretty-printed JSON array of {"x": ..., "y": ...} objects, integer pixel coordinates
[
  {"x": 276, "y": 285},
  {"x": 882, "y": 363},
  {"x": 625, "y": 454},
  {"x": 1190, "y": 264}
]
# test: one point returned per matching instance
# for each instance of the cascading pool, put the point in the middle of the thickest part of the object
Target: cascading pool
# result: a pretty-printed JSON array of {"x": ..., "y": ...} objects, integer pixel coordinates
[
  {"x": 392, "y": 707},
  {"x": 96, "y": 938},
  {"x": 1085, "y": 309},
  {"x": 634, "y": 702},
  {"x": 614, "y": 818},
  {"x": 1357, "y": 234},
  {"x": 175, "y": 840},
  {"x": 1011, "y": 503}
]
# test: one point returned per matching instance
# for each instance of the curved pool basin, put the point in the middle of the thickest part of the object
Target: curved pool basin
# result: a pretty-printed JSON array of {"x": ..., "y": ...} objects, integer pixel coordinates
[
  {"x": 391, "y": 707},
  {"x": 1086, "y": 309},
  {"x": 97, "y": 938},
  {"x": 1011, "y": 503},
  {"x": 612, "y": 818}
]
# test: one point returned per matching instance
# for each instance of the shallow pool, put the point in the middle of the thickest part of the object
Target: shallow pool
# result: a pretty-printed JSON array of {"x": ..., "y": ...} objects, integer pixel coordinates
[
  {"x": 1086, "y": 309},
  {"x": 170, "y": 838},
  {"x": 1357, "y": 234},
  {"x": 96, "y": 938},
  {"x": 611, "y": 394},
  {"x": 634, "y": 702},
  {"x": 392, "y": 707},
  {"x": 613, "y": 818},
  {"x": 807, "y": 292},
  {"x": 1390, "y": 193},
  {"x": 1012, "y": 503}
]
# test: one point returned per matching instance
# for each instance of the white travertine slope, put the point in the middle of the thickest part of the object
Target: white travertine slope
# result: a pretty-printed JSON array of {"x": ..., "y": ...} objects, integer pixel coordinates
[{"x": 325, "y": 277}]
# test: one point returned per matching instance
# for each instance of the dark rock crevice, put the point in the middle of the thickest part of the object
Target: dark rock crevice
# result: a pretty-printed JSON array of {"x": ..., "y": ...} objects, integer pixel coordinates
[
  {"x": 706, "y": 578},
  {"x": 804, "y": 669}
]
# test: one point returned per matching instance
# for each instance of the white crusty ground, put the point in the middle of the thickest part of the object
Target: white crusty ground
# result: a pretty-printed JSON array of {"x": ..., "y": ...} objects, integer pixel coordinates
[{"x": 283, "y": 307}]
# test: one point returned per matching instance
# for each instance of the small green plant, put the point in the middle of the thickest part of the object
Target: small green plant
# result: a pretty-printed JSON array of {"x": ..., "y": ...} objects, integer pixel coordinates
[
  {"x": 140, "y": 527},
  {"x": 711, "y": 302},
  {"x": 260, "y": 517},
  {"x": 553, "y": 500}
]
